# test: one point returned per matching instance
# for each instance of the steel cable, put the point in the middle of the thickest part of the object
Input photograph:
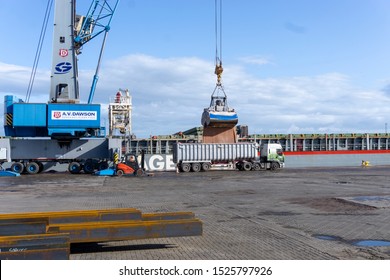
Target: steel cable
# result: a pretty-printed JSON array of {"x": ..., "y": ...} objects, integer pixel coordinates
[{"x": 39, "y": 49}]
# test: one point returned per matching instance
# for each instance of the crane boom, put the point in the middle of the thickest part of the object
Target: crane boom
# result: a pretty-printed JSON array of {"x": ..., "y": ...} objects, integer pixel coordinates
[{"x": 97, "y": 21}]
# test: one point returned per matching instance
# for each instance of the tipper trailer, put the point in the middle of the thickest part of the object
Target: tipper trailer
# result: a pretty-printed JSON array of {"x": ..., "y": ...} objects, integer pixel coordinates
[{"x": 241, "y": 156}]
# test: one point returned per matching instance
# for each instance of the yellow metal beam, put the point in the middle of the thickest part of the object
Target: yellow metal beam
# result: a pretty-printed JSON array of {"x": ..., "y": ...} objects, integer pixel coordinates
[
  {"x": 35, "y": 247},
  {"x": 127, "y": 230},
  {"x": 167, "y": 216},
  {"x": 75, "y": 216}
]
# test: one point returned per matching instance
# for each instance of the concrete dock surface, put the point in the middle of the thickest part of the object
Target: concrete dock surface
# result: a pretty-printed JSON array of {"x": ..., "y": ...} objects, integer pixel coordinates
[{"x": 292, "y": 214}]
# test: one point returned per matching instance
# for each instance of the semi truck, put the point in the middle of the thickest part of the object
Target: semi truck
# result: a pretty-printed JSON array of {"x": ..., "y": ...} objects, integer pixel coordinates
[{"x": 219, "y": 156}]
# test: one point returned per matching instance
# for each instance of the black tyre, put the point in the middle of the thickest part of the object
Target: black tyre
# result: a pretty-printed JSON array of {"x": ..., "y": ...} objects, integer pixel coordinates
[
  {"x": 139, "y": 172},
  {"x": 186, "y": 167},
  {"x": 275, "y": 166},
  {"x": 41, "y": 166},
  {"x": 247, "y": 166},
  {"x": 74, "y": 167},
  {"x": 17, "y": 167},
  {"x": 256, "y": 166},
  {"x": 88, "y": 167},
  {"x": 103, "y": 165},
  {"x": 196, "y": 167},
  {"x": 32, "y": 167},
  {"x": 206, "y": 166},
  {"x": 120, "y": 173}
]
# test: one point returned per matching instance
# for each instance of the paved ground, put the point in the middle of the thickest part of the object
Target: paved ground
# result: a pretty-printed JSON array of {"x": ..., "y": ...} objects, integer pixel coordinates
[{"x": 292, "y": 214}]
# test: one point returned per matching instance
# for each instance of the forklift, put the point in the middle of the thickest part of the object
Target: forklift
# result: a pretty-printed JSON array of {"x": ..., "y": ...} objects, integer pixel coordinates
[{"x": 129, "y": 166}]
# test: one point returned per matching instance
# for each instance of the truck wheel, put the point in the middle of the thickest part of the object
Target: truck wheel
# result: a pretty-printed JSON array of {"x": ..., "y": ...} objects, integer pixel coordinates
[
  {"x": 206, "y": 166},
  {"x": 275, "y": 166},
  {"x": 88, "y": 167},
  {"x": 196, "y": 167},
  {"x": 120, "y": 173},
  {"x": 186, "y": 167},
  {"x": 17, "y": 167},
  {"x": 32, "y": 167},
  {"x": 256, "y": 166},
  {"x": 74, "y": 167},
  {"x": 247, "y": 166}
]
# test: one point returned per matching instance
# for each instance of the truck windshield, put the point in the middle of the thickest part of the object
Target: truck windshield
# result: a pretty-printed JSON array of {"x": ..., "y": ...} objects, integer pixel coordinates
[{"x": 279, "y": 152}]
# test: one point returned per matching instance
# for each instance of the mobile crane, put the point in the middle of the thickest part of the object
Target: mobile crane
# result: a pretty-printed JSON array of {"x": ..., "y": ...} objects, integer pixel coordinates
[{"x": 62, "y": 130}]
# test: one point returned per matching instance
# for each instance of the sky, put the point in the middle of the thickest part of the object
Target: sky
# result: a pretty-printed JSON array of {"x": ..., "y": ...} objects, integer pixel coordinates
[{"x": 290, "y": 66}]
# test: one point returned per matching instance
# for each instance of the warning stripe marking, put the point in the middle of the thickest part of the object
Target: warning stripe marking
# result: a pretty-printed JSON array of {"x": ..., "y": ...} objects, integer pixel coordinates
[{"x": 8, "y": 119}]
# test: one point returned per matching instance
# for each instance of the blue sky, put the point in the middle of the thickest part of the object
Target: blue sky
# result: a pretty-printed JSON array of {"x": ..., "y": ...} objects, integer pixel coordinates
[{"x": 291, "y": 66}]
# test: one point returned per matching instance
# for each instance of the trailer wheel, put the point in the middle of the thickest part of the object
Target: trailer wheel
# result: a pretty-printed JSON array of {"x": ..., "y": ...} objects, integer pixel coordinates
[
  {"x": 17, "y": 167},
  {"x": 120, "y": 173},
  {"x": 196, "y": 167},
  {"x": 256, "y": 166},
  {"x": 247, "y": 166},
  {"x": 32, "y": 167},
  {"x": 186, "y": 167},
  {"x": 74, "y": 167},
  {"x": 275, "y": 166},
  {"x": 206, "y": 166}
]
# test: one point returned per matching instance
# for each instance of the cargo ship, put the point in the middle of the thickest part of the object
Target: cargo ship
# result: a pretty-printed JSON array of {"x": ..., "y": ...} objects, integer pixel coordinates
[{"x": 301, "y": 150}]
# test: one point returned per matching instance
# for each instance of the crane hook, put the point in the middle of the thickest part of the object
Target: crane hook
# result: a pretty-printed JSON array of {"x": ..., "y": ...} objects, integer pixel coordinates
[{"x": 218, "y": 71}]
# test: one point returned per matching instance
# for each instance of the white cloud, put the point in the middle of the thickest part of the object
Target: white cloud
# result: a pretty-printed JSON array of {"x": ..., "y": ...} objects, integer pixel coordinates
[
  {"x": 169, "y": 95},
  {"x": 255, "y": 59}
]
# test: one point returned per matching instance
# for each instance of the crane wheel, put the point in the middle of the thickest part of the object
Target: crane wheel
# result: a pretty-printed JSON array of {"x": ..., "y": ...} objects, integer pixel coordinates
[
  {"x": 88, "y": 167},
  {"x": 32, "y": 167},
  {"x": 74, "y": 167},
  {"x": 103, "y": 165},
  {"x": 17, "y": 167}
]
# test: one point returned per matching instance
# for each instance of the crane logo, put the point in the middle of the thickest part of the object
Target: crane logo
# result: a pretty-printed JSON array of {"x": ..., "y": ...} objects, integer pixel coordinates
[
  {"x": 63, "y": 52},
  {"x": 56, "y": 115},
  {"x": 74, "y": 115},
  {"x": 63, "y": 68}
]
